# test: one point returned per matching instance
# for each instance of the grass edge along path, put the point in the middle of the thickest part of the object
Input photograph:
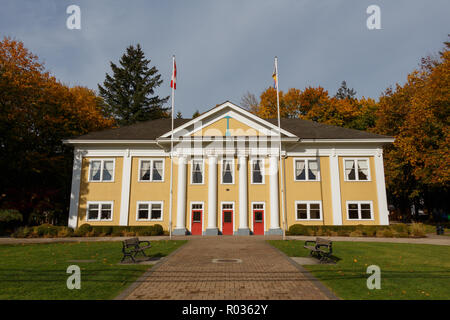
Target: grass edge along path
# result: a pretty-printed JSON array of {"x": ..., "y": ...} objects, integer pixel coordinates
[
  {"x": 38, "y": 271},
  {"x": 408, "y": 271}
]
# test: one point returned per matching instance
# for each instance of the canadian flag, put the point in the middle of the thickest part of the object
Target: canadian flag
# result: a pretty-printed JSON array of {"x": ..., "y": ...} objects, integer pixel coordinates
[{"x": 173, "y": 82}]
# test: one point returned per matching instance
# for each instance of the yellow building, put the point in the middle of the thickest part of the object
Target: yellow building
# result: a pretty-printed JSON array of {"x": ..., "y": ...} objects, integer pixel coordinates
[{"x": 227, "y": 176}]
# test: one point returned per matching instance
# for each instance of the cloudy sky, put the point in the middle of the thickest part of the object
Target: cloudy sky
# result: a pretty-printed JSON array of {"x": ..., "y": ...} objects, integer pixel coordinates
[{"x": 226, "y": 48}]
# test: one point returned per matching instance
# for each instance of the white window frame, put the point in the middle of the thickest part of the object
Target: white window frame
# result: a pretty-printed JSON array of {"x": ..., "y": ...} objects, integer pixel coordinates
[
  {"x": 308, "y": 212},
  {"x": 151, "y": 169},
  {"x": 100, "y": 203},
  {"x": 192, "y": 171},
  {"x": 370, "y": 202},
  {"x": 203, "y": 214},
  {"x": 102, "y": 160},
  {"x": 150, "y": 203},
  {"x": 356, "y": 169},
  {"x": 232, "y": 170},
  {"x": 252, "y": 214},
  {"x": 262, "y": 170},
  {"x": 307, "y": 168}
]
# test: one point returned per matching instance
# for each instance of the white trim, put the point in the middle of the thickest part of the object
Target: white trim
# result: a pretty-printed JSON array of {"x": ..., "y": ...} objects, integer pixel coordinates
[
  {"x": 369, "y": 178},
  {"x": 356, "y": 140},
  {"x": 107, "y": 141},
  {"x": 317, "y": 159},
  {"x": 252, "y": 214},
  {"x": 126, "y": 185},
  {"x": 359, "y": 209},
  {"x": 232, "y": 169},
  {"x": 100, "y": 203},
  {"x": 383, "y": 211},
  {"x": 335, "y": 189},
  {"x": 151, "y": 169},
  {"x": 192, "y": 170},
  {"x": 233, "y": 107},
  {"x": 150, "y": 203},
  {"x": 262, "y": 168},
  {"x": 221, "y": 214},
  {"x": 75, "y": 190},
  {"x": 203, "y": 215},
  {"x": 308, "y": 210},
  {"x": 102, "y": 162}
]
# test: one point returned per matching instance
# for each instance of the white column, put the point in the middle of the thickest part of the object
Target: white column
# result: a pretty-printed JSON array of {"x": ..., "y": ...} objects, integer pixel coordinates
[
  {"x": 274, "y": 198},
  {"x": 125, "y": 195},
  {"x": 381, "y": 188},
  {"x": 335, "y": 189},
  {"x": 75, "y": 191},
  {"x": 243, "y": 201},
  {"x": 212, "y": 196},
  {"x": 180, "y": 228}
]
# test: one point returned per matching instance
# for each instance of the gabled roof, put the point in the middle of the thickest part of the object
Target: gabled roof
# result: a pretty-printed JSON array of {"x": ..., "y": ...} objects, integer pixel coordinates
[{"x": 303, "y": 129}]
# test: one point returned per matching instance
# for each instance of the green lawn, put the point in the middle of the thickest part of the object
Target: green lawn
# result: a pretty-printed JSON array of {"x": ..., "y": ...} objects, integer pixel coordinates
[
  {"x": 38, "y": 271},
  {"x": 408, "y": 271}
]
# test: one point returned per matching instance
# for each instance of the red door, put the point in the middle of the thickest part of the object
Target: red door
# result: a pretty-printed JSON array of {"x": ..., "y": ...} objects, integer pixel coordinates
[
  {"x": 227, "y": 224},
  {"x": 258, "y": 222},
  {"x": 196, "y": 222}
]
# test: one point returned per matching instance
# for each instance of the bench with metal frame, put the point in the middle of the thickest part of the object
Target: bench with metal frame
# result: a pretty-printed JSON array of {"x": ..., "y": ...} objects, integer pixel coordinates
[
  {"x": 133, "y": 246},
  {"x": 321, "y": 248}
]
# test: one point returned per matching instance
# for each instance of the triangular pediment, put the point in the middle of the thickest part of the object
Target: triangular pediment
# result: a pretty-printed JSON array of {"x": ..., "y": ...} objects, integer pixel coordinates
[{"x": 227, "y": 119}]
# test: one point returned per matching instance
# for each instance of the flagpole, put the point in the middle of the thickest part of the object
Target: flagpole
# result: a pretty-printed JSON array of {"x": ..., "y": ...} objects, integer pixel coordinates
[
  {"x": 279, "y": 151},
  {"x": 171, "y": 153}
]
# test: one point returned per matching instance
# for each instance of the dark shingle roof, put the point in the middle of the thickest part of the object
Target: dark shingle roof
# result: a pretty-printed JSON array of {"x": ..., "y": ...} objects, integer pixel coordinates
[{"x": 304, "y": 129}]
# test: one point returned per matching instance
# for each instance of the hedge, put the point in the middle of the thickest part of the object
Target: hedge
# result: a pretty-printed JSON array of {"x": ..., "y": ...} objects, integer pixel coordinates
[
  {"x": 86, "y": 230},
  {"x": 400, "y": 230}
]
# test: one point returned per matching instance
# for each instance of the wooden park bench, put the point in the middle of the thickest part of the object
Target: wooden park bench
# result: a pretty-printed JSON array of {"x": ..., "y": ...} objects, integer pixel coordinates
[
  {"x": 131, "y": 247},
  {"x": 321, "y": 248}
]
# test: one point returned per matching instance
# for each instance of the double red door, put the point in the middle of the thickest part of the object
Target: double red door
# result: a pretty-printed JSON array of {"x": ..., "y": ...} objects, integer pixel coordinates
[
  {"x": 196, "y": 228},
  {"x": 227, "y": 222},
  {"x": 258, "y": 222}
]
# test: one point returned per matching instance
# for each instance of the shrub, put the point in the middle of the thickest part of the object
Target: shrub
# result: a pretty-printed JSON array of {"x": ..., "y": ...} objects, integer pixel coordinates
[
  {"x": 298, "y": 230},
  {"x": 9, "y": 220},
  {"x": 158, "y": 230},
  {"x": 399, "y": 228},
  {"x": 387, "y": 233},
  {"x": 417, "y": 230},
  {"x": 47, "y": 230},
  {"x": 65, "y": 232},
  {"x": 356, "y": 233},
  {"x": 83, "y": 230}
]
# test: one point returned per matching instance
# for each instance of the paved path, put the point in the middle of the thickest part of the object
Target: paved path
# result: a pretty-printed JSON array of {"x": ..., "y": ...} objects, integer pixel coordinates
[
  {"x": 430, "y": 239},
  {"x": 263, "y": 273}
]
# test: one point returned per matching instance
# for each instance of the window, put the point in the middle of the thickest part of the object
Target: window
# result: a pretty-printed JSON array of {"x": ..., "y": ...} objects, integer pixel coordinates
[
  {"x": 197, "y": 172},
  {"x": 359, "y": 210},
  {"x": 227, "y": 171},
  {"x": 356, "y": 169},
  {"x": 306, "y": 170},
  {"x": 150, "y": 211},
  {"x": 99, "y": 211},
  {"x": 257, "y": 171},
  {"x": 101, "y": 170},
  {"x": 151, "y": 170},
  {"x": 308, "y": 210}
]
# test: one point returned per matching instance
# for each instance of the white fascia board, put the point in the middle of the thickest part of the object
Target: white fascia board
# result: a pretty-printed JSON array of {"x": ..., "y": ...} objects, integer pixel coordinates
[
  {"x": 74, "y": 142},
  {"x": 235, "y": 108},
  {"x": 378, "y": 140}
]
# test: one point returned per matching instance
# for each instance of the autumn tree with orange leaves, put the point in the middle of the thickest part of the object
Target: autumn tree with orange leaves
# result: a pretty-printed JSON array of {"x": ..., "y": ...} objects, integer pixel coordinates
[
  {"x": 417, "y": 165},
  {"x": 37, "y": 113}
]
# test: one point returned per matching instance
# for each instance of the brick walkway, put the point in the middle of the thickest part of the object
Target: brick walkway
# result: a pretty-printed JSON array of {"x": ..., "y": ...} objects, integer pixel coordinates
[{"x": 264, "y": 273}]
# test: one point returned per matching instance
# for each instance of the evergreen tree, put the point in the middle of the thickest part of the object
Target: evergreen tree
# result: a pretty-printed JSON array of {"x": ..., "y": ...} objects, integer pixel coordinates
[
  {"x": 344, "y": 92},
  {"x": 179, "y": 115},
  {"x": 196, "y": 114},
  {"x": 129, "y": 93}
]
